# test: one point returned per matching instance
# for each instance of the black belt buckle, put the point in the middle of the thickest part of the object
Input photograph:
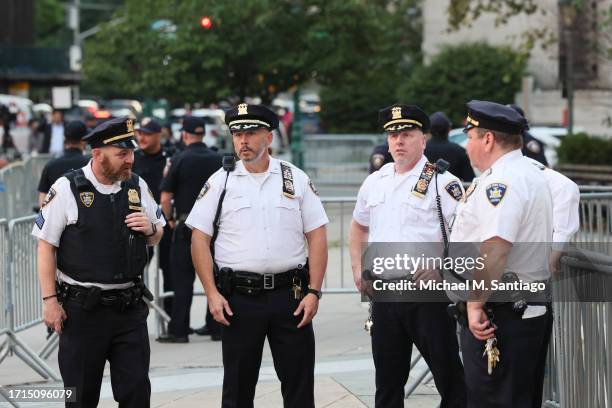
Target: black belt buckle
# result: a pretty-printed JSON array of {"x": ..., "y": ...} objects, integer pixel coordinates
[{"x": 268, "y": 281}]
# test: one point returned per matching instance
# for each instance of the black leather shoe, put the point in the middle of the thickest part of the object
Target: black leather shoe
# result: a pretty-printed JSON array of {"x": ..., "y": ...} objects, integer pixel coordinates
[
  {"x": 202, "y": 331},
  {"x": 171, "y": 338},
  {"x": 216, "y": 337}
]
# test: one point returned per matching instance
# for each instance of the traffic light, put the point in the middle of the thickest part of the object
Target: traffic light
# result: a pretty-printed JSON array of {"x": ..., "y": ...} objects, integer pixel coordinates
[{"x": 206, "y": 23}]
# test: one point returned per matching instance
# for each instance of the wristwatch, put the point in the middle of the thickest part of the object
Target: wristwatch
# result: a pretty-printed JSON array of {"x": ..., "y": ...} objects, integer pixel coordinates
[
  {"x": 315, "y": 292},
  {"x": 154, "y": 227}
]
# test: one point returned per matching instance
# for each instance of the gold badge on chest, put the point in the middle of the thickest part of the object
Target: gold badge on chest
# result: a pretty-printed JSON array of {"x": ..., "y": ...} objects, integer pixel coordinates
[{"x": 87, "y": 198}]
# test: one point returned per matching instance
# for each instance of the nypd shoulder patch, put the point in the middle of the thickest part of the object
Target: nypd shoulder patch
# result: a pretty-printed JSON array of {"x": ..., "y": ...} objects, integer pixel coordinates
[
  {"x": 40, "y": 220},
  {"x": 158, "y": 213},
  {"x": 312, "y": 187},
  {"x": 204, "y": 190},
  {"x": 496, "y": 193},
  {"x": 454, "y": 189},
  {"x": 50, "y": 196}
]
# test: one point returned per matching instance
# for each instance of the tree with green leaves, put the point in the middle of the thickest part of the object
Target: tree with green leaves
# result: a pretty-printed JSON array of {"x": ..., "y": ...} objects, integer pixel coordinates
[
  {"x": 461, "y": 73},
  {"x": 252, "y": 48}
]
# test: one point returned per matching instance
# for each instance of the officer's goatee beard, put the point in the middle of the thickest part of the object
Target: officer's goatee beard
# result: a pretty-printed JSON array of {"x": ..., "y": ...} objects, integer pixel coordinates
[
  {"x": 257, "y": 156},
  {"x": 113, "y": 175}
]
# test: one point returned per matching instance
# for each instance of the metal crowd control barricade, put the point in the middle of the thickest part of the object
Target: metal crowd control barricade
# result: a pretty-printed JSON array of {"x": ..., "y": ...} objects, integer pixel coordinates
[
  {"x": 4, "y": 284},
  {"x": 23, "y": 298}
]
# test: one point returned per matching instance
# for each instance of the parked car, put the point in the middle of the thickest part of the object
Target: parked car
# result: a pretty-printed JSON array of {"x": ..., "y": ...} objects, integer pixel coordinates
[
  {"x": 119, "y": 107},
  {"x": 550, "y": 136}
]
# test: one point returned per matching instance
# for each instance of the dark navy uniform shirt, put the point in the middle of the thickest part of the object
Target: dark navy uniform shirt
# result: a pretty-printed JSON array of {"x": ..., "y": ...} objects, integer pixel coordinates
[
  {"x": 533, "y": 148},
  {"x": 188, "y": 172},
  {"x": 379, "y": 157},
  {"x": 452, "y": 153},
  {"x": 151, "y": 168},
  {"x": 73, "y": 158}
]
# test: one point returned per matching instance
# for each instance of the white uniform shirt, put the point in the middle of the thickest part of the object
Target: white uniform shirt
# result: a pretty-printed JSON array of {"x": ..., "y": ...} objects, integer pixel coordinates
[
  {"x": 387, "y": 206},
  {"x": 62, "y": 211},
  {"x": 566, "y": 204},
  {"x": 522, "y": 213},
  {"x": 261, "y": 230}
]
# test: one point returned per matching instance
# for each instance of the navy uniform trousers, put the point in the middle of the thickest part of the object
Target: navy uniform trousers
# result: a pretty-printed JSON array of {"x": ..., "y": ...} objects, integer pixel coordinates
[
  {"x": 268, "y": 314},
  {"x": 518, "y": 378},
  {"x": 400, "y": 325},
  {"x": 90, "y": 338},
  {"x": 183, "y": 276}
]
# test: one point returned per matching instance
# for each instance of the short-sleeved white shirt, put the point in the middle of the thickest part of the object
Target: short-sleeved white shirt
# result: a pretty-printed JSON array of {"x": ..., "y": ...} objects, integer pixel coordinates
[
  {"x": 566, "y": 204},
  {"x": 261, "y": 229},
  {"x": 387, "y": 206},
  {"x": 512, "y": 201},
  {"x": 62, "y": 211}
]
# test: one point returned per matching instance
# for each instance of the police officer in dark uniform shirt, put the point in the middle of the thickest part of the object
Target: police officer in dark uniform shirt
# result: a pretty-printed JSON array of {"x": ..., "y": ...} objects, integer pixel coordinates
[
  {"x": 93, "y": 231},
  {"x": 73, "y": 158},
  {"x": 149, "y": 163},
  {"x": 439, "y": 147},
  {"x": 532, "y": 147},
  {"x": 187, "y": 174},
  {"x": 379, "y": 157}
]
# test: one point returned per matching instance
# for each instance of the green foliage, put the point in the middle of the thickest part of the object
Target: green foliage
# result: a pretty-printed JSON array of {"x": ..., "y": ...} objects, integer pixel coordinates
[
  {"x": 255, "y": 47},
  {"x": 50, "y": 24},
  {"x": 462, "y": 73},
  {"x": 584, "y": 149},
  {"x": 372, "y": 50}
]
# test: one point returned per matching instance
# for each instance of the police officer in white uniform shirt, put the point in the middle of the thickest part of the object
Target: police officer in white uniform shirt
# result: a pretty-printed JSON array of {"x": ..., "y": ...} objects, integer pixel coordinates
[
  {"x": 398, "y": 204},
  {"x": 268, "y": 283},
  {"x": 93, "y": 230},
  {"x": 510, "y": 203}
]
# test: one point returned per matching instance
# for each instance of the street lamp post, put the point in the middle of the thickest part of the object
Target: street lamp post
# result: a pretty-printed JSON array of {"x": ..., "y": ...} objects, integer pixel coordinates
[{"x": 568, "y": 13}]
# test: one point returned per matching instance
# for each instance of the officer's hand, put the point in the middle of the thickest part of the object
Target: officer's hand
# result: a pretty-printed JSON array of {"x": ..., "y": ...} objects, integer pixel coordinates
[
  {"x": 479, "y": 323},
  {"x": 53, "y": 314},
  {"x": 426, "y": 275},
  {"x": 554, "y": 263},
  {"x": 309, "y": 305},
  {"x": 217, "y": 304},
  {"x": 139, "y": 222}
]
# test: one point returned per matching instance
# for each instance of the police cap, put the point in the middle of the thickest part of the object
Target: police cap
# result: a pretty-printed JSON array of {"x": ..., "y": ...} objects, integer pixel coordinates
[
  {"x": 395, "y": 118},
  {"x": 194, "y": 125},
  {"x": 75, "y": 131},
  {"x": 249, "y": 117},
  {"x": 494, "y": 116},
  {"x": 439, "y": 122},
  {"x": 148, "y": 125},
  {"x": 117, "y": 132}
]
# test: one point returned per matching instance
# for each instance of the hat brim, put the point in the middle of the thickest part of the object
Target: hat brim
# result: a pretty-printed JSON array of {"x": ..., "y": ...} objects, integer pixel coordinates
[
  {"x": 468, "y": 127},
  {"x": 248, "y": 126},
  {"x": 148, "y": 131},
  {"x": 125, "y": 144}
]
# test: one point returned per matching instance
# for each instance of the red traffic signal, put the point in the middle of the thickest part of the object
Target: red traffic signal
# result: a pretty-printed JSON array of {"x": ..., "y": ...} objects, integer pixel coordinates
[{"x": 206, "y": 23}]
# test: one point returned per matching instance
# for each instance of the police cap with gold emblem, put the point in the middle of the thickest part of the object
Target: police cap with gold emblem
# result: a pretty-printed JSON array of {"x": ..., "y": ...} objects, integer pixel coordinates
[
  {"x": 250, "y": 117},
  {"x": 396, "y": 118},
  {"x": 118, "y": 132},
  {"x": 494, "y": 116}
]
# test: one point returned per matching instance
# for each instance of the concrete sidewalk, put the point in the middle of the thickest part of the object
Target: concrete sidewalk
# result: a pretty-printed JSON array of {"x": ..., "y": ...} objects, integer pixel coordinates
[{"x": 190, "y": 375}]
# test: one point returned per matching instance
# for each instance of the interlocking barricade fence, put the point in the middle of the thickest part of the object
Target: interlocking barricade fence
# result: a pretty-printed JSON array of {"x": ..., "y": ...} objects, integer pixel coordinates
[
  {"x": 27, "y": 300},
  {"x": 4, "y": 287},
  {"x": 19, "y": 185},
  {"x": 582, "y": 338},
  {"x": 338, "y": 159}
]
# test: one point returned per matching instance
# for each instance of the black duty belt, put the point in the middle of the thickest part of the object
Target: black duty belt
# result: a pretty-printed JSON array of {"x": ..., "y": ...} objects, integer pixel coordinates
[
  {"x": 91, "y": 297},
  {"x": 266, "y": 281}
]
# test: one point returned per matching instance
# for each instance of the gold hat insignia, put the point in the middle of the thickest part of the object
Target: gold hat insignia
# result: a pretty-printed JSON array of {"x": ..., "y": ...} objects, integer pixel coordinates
[
  {"x": 396, "y": 112},
  {"x": 242, "y": 109},
  {"x": 130, "y": 125}
]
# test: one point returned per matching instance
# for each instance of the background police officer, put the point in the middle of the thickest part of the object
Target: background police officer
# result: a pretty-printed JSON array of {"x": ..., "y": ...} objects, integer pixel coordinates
[
  {"x": 188, "y": 172},
  {"x": 379, "y": 157},
  {"x": 269, "y": 212},
  {"x": 398, "y": 204},
  {"x": 72, "y": 158},
  {"x": 97, "y": 221},
  {"x": 149, "y": 163},
  {"x": 508, "y": 204},
  {"x": 439, "y": 147},
  {"x": 532, "y": 147}
]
